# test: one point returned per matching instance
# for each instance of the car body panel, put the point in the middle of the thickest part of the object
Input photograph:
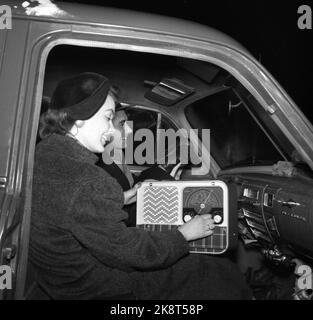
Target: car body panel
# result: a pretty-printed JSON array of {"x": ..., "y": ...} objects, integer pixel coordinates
[{"x": 80, "y": 14}]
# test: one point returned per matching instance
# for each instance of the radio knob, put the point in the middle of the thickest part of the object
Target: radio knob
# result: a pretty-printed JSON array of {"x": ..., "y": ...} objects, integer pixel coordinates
[
  {"x": 217, "y": 218},
  {"x": 187, "y": 217}
]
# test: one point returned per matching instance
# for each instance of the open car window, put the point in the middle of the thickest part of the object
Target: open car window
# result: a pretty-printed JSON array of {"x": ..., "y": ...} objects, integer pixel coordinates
[
  {"x": 237, "y": 134},
  {"x": 232, "y": 143}
]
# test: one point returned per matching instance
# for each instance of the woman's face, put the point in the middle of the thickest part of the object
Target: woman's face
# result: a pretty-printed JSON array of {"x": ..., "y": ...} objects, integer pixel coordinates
[
  {"x": 122, "y": 130},
  {"x": 96, "y": 132}
]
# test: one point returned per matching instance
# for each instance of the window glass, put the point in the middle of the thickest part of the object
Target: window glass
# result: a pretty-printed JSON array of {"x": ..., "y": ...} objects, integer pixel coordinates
[{"x": 235, "y": 136}]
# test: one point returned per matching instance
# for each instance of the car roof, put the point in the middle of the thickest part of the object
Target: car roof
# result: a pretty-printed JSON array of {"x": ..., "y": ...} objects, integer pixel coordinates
[{"x": 107, "y": 16}]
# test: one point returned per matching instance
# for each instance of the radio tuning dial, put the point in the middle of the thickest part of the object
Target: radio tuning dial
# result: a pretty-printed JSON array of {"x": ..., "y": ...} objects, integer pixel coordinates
[{"x": 217, "y": 218}]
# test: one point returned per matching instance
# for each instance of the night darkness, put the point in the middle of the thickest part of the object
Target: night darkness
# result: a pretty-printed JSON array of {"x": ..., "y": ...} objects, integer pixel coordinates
[{"x": 267, "y": 29}]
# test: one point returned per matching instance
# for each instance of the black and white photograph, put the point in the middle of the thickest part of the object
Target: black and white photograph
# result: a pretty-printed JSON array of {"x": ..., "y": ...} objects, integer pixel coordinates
[{"x": 156, "y": 155}]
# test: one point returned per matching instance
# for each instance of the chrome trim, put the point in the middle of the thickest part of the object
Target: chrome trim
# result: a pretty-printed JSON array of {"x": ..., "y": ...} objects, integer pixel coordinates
[
  {"x": 259, "y": 234},
  {"x": 256, "y": 226},
  {"x": 252, "y": 215}
]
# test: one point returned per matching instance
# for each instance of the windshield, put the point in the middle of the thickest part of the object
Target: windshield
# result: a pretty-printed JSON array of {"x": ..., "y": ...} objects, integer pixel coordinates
[{"x": 238, "y": 136}]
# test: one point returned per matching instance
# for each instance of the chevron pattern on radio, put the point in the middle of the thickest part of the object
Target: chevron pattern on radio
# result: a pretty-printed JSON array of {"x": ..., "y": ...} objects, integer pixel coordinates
[{"x": 160, "y": 205}]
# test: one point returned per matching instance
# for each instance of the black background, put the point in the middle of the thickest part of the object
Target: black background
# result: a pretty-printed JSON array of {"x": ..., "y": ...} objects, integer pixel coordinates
[{"x": 268, "y": 29}]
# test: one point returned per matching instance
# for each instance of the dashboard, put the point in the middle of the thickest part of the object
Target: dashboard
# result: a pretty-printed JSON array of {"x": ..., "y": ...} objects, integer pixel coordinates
[{"x": 275, "y": 212}]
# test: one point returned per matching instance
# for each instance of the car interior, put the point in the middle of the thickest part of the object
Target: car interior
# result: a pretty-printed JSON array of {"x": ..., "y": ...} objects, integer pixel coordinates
[{"x": 245, "y": 148}]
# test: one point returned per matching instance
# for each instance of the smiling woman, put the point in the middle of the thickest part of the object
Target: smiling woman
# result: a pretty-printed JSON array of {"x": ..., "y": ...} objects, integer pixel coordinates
[{"x": 77, "y": 104}]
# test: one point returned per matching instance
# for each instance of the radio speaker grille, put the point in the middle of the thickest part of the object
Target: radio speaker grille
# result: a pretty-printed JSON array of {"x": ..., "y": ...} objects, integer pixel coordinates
[{"x": 161, "y": 205}]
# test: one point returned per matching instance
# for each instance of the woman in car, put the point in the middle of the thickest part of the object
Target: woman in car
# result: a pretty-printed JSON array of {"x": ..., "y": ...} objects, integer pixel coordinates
[{"x": 80, "y": 247}]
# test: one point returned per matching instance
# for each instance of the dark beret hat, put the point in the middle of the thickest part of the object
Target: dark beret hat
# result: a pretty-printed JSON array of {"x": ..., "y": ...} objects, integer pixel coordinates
[{"x": 81, "y": 96}]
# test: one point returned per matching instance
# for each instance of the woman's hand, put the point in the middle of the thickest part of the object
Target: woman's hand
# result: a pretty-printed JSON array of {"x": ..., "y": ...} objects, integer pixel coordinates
[
  {"x": 130, "y": 195},
  {"x": 199, "y": 227}
]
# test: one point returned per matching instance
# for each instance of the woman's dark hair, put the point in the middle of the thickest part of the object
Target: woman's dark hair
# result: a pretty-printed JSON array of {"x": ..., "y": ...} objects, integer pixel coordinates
[
  {"x": 54, "y": 121},
  {"x": 58, "y": 121}
]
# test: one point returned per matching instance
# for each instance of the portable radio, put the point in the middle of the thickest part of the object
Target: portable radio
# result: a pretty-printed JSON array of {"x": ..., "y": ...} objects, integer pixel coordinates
[{"x": 164, "y": 205}]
